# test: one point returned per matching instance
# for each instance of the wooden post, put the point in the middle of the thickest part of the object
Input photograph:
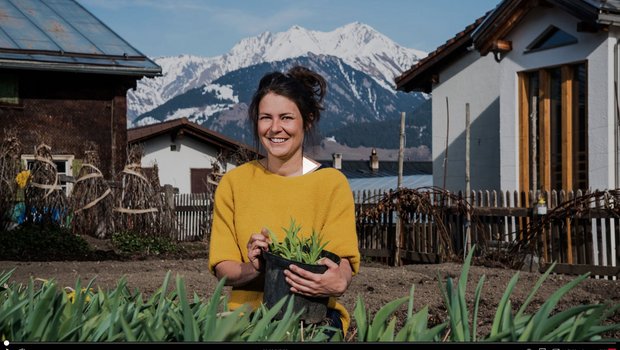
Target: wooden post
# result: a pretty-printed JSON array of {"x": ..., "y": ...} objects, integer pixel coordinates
[
  {"x": 567, "y": 146},
  {"x": 445, "y": 158},
  {"x": 169, "y": 203},
  {"x": 169, "y": 195},
  {"x": 533, "y": 121},
  {"x": 401, "y": 150},
  {"x": 467, "y": 244}
]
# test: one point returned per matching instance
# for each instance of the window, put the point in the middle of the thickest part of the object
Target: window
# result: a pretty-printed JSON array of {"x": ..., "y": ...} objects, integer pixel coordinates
[
  {"x": 552, "y": 37},
  {"x": 9, "y": 89},
  {"x": 64, "y": 164},
  {"x": 553, "y": 128},
  {"x": 198, "y": 179}
]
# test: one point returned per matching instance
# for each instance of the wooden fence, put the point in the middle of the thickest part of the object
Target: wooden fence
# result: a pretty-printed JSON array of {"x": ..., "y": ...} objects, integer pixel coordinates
[
  {"x": 193, "y": 215},
  {"x": 580, "y": 231}
]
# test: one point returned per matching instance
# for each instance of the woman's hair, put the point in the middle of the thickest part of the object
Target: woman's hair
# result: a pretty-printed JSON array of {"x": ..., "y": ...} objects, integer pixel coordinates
[{"x": 301, "y": 85}]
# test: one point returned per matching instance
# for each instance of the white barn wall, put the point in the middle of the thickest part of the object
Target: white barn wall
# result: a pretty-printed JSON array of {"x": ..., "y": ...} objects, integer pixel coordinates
[
  {"x": 609, "y": 53},
  {"x": 601, "y": 116},
  {"x": 174, "y": 166},
  {"x": 472, "y": 79},
  {"x": 590, "y": 46},
  {"x": 614, "y": 95}
]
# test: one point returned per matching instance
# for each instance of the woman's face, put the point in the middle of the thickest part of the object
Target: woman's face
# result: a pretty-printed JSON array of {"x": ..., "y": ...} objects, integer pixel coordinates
[{"x": 280, "y": 127}]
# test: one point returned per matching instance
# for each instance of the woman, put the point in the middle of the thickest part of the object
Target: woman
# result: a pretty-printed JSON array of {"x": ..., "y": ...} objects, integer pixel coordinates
[{"x": 267, "y": 193}]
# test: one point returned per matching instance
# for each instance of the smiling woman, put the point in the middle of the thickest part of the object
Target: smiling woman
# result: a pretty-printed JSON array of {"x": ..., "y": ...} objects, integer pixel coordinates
[
  {"x": 280, "y": 128},
  {"x": 267, "y": 193}
]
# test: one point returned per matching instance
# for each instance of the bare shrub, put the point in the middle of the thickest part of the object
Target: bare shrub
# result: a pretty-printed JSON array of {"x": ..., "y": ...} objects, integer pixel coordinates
[
  {"x": 91, "y": 199},
  {"x": 46, "y": 202},
  {"x": 138, "y": 205},
  {"x": 10, "y": 151}
]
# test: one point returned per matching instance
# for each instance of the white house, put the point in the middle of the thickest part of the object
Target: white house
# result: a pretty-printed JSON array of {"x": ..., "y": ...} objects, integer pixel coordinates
[
  {"x": 185, "y": 152},
  {"x": 540, "y": 81}
]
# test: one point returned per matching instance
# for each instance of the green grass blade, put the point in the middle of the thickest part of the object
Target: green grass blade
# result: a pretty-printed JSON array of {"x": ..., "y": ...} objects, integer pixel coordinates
[
  {"x": 478, "y": 294},
  {"x": 380, "y": 319},
  {"x": 530, "y": 296},
  {"x": 497, "y": 320},
  {"x": 361, "y": 319}
]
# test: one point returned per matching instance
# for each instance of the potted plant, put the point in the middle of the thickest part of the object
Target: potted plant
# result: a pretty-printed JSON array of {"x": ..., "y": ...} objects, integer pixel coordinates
[{"x": 302, "y": 252}]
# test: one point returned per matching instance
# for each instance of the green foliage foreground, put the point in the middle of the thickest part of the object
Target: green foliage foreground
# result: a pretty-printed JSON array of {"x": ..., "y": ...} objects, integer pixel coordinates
[{"x": 43, "y": 312}]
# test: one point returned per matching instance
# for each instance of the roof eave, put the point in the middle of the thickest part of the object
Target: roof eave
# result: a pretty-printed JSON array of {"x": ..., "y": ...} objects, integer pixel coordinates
[
  {"x": 609, "y": 19},
  {"x": 494, "y": 27},
  {"x": 82, "y": 68},
  {"x": 509, "y": 13},
  {"x": 420, "y": 78},
  {"x": 192, "y": 129}
]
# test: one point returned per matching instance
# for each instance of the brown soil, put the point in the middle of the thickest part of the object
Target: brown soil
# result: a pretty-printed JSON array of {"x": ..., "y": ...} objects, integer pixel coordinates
[{"x": 376, "y": 283}]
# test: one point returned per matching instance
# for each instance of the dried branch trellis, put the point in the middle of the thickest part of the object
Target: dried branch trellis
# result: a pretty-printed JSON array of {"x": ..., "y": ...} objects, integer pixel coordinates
[
  {"x": 579, "y": 207},
  {"x": 10, "y": 151},
  {"x": 139, "y": 205},
  {"x": 167, "y": 214},
  {"x": 428, "y": 200},
  {"x": 91, "y": 198},
  {"x": 45, "y": 201},
  {"x": 525, "y": 241},
  {"x": 240, "y": 156}
]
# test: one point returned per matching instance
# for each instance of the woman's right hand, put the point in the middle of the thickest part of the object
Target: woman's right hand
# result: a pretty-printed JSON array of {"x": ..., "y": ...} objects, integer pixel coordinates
[{"x": 258, "y": 243}]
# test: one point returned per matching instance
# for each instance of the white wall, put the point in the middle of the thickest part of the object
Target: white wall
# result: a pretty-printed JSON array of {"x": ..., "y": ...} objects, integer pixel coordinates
[
  {"x": 174, "y": 166},
  {"x": 474, "y": 80},
  {"x": 596, "y": 49}
]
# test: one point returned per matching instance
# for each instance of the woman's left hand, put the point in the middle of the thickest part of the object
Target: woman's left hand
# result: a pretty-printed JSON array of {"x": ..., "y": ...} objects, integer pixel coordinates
[{"x": 333, "y": 282}]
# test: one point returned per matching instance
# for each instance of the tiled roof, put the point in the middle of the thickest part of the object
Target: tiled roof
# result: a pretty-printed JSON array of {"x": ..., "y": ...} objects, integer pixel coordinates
[
  {"x": 63, "y": 35},
  {"x": 142, "y": 133}
]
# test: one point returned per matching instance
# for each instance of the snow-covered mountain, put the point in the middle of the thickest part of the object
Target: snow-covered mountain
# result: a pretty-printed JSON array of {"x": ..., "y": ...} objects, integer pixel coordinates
[
  {"x": 357, "y": 44},
  {"x": 359, "y": 111}
]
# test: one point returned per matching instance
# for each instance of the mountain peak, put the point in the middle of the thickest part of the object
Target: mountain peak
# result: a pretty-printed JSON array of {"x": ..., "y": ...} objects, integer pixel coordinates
[
  {"x": 358, "y": 26},
  {"x": 357, "y": 44},
  {"x": 296, "y": 27}
]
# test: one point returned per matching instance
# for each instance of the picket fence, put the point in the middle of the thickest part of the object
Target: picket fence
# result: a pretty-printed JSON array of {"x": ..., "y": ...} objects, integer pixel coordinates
[
  {"x": 579, "y": 241},
  {"x": 588, "y": 241},
  {"x": 193, "y": 215}
]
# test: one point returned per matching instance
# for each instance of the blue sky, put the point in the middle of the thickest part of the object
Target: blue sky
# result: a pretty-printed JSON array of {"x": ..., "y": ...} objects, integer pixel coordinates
[{"x": 212, "y": 28}]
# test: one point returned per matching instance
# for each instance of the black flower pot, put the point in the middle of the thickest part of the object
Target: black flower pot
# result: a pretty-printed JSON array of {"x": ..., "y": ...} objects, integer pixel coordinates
[{"x": 276, "y": 287}]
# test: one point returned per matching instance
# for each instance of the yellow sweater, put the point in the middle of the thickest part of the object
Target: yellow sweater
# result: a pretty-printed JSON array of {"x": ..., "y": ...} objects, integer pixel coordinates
[{"x": 250, "y": 197}]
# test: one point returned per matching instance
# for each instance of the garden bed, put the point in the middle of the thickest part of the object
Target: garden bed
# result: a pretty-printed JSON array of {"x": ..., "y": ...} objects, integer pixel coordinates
[{"x": 376, "y": 283}]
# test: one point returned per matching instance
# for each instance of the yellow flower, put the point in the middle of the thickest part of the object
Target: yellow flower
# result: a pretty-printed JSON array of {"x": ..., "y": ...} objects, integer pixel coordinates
[
  {"x": 71, "y": 294},
  {"x": 22, "y": 178}
]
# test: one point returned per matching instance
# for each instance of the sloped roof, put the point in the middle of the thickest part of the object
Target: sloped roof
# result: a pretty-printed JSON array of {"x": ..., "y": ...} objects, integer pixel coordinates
[
  {"x": 596, "y": 14},
  {"x": 421, "y": 75},
  {"x": 495, "y": 24},
  {"x": 383, "y": 184},
  {"x": 183, "y": 126},
  {"x": 356, "y": 169},
  {"x": 362, "y": 178},
  {"x": 63, "y": 35}
]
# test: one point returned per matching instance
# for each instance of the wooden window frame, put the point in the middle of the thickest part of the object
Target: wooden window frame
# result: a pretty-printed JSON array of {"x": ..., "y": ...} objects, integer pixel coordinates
[{"x": 568, "y": 101}]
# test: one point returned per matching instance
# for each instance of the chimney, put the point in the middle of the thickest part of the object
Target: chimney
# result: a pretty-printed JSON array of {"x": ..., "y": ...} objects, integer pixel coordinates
[
  {"x": 374, "y": 161},
  {"x": 337, "y": 160}
]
